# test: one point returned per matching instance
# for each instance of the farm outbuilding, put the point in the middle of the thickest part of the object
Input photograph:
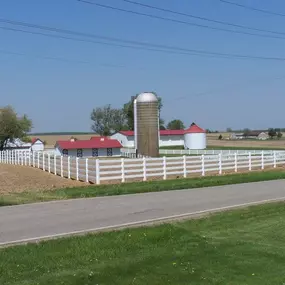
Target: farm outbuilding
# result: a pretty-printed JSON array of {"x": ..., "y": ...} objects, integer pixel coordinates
[
  {"x": 95, "y": 147},
  {"x": 166, "y": 138},
  {"x": 35, "y": 145},
  {"x": 195, "y": 138}
]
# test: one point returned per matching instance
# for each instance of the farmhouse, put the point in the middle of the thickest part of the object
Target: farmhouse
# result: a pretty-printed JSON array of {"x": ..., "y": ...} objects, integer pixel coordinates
[
  {"x": 17, "y": 144},
  {"x": 166, "y": 138},
  {"x": 95, "y": 147},
  {"x": 258, "y": 135}
]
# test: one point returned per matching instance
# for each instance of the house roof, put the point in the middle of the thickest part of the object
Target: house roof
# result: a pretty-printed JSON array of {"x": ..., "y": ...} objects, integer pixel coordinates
[
  {"x": 194, "y": 129},
  {"x": 34, "y": 140},
  {"x": 162, "y": 133},
  {"x": 255, "y": 133},
  {"x": 94, "y": 142}
]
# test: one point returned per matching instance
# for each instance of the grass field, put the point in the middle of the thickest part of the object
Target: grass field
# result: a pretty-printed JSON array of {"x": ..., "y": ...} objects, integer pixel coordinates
[
  {"x": 132, "y": 188},
  {"x": 242, "y": 247}
]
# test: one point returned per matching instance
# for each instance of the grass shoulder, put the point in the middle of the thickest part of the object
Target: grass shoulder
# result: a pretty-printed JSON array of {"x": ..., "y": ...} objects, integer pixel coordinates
[
  {"x": 238, "y": 247},
  {"x": 138, "y": 187}
]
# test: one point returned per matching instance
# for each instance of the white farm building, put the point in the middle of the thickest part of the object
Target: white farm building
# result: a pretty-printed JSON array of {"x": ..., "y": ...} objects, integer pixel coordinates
[
  {"x": 166, "y": 138},
  {"x": 95, "y": 147},
  {"x": 192, "y": 138},
  {"x": 35, "y": 145}
]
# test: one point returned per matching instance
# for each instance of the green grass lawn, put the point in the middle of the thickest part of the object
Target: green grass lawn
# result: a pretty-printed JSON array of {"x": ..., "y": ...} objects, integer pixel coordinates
[
  {"x": 139, "y": 187},
  {"x": 242, "y": 247}
]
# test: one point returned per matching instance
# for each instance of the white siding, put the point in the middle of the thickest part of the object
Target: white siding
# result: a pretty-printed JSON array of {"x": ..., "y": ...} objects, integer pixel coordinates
[
  {"x": 38, "y": 146},
  {"x": 102, "y": 152},
  {"x": 171, "y": 140}
]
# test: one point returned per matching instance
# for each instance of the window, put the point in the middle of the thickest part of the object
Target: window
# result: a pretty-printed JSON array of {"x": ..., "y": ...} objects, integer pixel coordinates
[
  {"x": 94, "y": 151},
  {"x": 79, "y": 152},
  {"x": 109, "y": 152},
  {"x": 65, "y": 152}
]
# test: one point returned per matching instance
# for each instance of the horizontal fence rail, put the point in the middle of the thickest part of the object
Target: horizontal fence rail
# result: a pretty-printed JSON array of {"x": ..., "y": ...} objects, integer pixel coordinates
[{"x": 122, "y": 170}]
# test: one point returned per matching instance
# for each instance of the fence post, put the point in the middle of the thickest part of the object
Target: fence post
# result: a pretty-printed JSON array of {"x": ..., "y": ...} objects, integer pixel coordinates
[
  {"x": 61, "y": 166},
  {"x": 54, "y": 165},
  {"x": 68, "y": 167},
  {"x": 25, "y": 158},
  {"x": 44, "y": 163},
  {"x": 34, "y": 162},
  {"x": 262, "y": 160},
  {"x": 123, "y": 169},
  {"x": 30, "y": 159},
  {"x": 220, "y": 164},
  {"x": 86, "y": 170},
  {"x": 184, "y": 167},
  {"x": 48, "y": 162},
  {"x": 203, "y": 164},
  {"x": 97, "y": 171},
  {"x": 236, "y": 166},
  {"x": 77, "y": 169},
  {"x": 274, "y": 159},
  {"x": 249, "y": 161},
  {"x": 164, "y": 168},
  {"x": 144, "y": 169}
]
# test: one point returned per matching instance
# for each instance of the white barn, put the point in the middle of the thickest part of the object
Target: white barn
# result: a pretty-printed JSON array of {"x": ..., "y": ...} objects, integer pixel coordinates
[
  {"x": 95, "y": 147},
  {"x": 36, "y": 145},
  {"x": 166, "y": 138}
]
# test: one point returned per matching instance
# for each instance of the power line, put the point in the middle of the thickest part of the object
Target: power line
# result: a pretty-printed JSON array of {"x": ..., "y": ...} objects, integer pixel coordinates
[
  {"x": 61, "y": 59},
  {"x": 201, "y": 18},
  {"x": 253, "y": 8},
  {"x": 136, "y": 45},
  {"x": 178, "y": 21},
  {"x": 151, "y": 47}
]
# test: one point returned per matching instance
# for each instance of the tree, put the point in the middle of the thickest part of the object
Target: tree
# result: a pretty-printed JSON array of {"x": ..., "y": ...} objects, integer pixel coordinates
[
  {"x": 272, "y": 133},
  {"x": 107, "y": 120},
  {"x": 12, "y": 126},
  {"x": 246, "y": 132},
  {"x": 128, "y": 110},
  {"x": 175, "y": 125},
  {"x": 279, "y": 135},
  {"x": 220, "y": 137}
]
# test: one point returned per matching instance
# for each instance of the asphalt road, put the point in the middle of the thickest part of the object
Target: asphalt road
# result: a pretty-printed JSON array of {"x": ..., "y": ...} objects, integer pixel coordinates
[{"x": 28, "y": 223}]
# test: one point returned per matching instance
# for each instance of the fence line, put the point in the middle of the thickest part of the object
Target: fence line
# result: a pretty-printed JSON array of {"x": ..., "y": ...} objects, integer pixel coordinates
[{"x": 142, "y": 169}]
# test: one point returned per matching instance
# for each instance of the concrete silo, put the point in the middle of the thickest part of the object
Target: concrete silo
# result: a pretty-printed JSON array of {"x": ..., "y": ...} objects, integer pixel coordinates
[
  {"x": 146, "y": 124},
  {"x": 195, "y": 138}
]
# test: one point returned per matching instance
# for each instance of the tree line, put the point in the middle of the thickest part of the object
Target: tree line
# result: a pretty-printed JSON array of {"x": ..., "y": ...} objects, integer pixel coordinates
[{"x": 107, "y": 120}]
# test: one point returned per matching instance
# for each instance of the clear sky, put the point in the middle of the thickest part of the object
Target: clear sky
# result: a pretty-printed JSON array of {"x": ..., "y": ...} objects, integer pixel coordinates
[{"x": 216, "y": 93}]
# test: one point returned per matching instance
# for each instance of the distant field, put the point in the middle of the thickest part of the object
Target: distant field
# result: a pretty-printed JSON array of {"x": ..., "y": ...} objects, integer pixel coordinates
[
  {"x": 51, "y": 139},
  {"x": 212, "y": 141}
]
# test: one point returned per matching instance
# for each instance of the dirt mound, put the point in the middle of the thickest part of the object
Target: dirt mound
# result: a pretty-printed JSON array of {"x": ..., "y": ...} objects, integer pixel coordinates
[{"x": 23, "y": 178}]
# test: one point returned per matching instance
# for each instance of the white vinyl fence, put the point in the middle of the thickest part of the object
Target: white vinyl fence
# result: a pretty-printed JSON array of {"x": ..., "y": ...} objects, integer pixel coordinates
[{"x": 142, "y": 169}]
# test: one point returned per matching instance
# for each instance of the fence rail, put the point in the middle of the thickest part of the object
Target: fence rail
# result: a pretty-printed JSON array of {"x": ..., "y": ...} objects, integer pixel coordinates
[{"x": 142, "y": 169}]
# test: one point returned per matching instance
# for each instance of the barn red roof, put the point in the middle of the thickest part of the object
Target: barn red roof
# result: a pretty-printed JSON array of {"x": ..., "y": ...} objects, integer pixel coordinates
[
  {"x": 95, "y": 142},
  {"x": 162, "y": 133},
  {"x": 35, "y": 140},
  {"x": 194, "y": 129}
]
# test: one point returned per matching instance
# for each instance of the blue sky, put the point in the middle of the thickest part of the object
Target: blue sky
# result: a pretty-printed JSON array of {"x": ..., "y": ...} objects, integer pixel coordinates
[{"x": 215, "y": 93}]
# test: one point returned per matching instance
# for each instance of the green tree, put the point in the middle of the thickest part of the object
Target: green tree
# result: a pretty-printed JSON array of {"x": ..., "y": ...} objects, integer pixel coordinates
[
  {"x": 12, "y": 126},
  {"x": 272, "y": 133},
  {"x": 128, "y": 110},
  {"x": 107, "y": 120},
  {"x": 279, "y": 135},
  {"x": 220, "y": 137},
  {"x": 175, "y": 125}
]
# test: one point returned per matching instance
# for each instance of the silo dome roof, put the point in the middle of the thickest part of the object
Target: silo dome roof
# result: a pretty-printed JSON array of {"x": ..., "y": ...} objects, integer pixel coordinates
[
  {"x": 146, "y": 97},
  {"x": 194, "y": 129}
]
